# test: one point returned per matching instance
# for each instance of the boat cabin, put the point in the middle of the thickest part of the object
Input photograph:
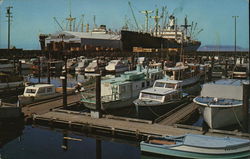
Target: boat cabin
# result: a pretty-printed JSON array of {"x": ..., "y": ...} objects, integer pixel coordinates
[
  {"x": 162, "y": 91},
  {"x": 39, "y": 90}
]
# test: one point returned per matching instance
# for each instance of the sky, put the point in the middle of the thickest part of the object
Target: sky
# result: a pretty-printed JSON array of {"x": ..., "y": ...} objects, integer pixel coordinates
[{"x": 33, "y": 17}]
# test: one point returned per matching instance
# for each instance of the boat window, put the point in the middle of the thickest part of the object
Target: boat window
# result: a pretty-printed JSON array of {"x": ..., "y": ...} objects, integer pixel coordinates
[
  {"x": 148, "y": 83},
  {"x": 122, "y": 88},
  {"x": 240, "y": 69},
  {"x": 170, "y": 85},
  {"x": 151, "y": 96},
  {"x": 159, "y": 84},
  {"x": 49, "y": 89},
  {"x": 30, "y": 91},
  {"x": 41, "y": 90},
  {"x": 142, "y": 84}
]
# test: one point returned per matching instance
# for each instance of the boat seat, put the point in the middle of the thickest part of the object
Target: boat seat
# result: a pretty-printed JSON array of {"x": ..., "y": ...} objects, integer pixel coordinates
[{"x": 162, "y": 142}]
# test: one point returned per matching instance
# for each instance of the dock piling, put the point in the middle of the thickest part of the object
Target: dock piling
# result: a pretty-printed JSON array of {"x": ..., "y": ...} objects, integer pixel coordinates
[{"x": 246, "y": 96}]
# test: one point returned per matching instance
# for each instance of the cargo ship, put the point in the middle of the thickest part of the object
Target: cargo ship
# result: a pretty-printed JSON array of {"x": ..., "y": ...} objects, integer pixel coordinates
[{"x": 170, "y": 36}]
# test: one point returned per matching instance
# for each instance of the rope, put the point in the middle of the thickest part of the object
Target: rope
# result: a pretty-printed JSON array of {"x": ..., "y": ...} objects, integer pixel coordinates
[
  {"x": 238, "y": 119},
  {"x": 153, "y": 112}
]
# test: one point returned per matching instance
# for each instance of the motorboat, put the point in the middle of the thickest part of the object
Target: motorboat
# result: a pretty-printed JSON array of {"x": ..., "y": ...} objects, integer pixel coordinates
[
  {"x": 38, "y": 92},
  {"x": 121, "y": 91},
  {"x": 116, "y": 66},
  {"x": 220, "y": 102},
  {"x": 197, "y": 146}
]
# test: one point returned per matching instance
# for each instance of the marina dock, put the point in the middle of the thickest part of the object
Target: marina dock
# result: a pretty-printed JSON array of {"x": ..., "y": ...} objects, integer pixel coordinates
[
  {"x": 120, "y": 126},
  {"x": 47, "y": 105}
]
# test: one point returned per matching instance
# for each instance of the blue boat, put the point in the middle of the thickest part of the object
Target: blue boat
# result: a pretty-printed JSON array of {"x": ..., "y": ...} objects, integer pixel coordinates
[{"x": 197, "y": 146}]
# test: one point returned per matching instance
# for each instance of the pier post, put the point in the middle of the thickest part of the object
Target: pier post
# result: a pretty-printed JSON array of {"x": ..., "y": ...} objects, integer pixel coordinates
[
  {"x": 97, "y": 112},
  {"x": 98, "y": 149},
  {"x": 98, "y": 92},
  {"x": 39, "y": 70},
  {"x": 48, "y": 72},
  {"x": 246, "y": 97},
  {"x": 226, "y": 65},
  {"x": 64, "y": 84}
]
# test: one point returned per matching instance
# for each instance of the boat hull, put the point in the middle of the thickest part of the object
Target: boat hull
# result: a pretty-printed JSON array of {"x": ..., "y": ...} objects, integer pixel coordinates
[
  {"x": 25, "y": 100},
  {"x": 111, "y": 104},
  {"x": 217, "y": 117},
  {"x": 150, "y": 110},
  {"x": 200, "y": 153}
]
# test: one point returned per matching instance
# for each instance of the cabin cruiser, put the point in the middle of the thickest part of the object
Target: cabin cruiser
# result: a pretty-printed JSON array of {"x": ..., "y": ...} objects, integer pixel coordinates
[
  {"x": 220, "y": 103},
  {"x": 95, "y": 66},
  {"x": 82, "y": 64},
  {"x": 121, "y": 91},
  {"x": 157, "y": 100},
  {"x": 37, "y": 92},
  {"x": 116, "y": 66}
]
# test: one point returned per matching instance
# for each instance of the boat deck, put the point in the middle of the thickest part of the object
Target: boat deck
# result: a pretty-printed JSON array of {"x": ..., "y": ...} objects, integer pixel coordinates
[{"x": 46, "y": 105}]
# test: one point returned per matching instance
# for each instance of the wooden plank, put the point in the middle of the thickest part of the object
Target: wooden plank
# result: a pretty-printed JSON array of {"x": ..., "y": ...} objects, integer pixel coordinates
[
  {"x": 180, "y": 114},
  {"x": 113, "y": 124},
  {"x": 44, "y": 107}
]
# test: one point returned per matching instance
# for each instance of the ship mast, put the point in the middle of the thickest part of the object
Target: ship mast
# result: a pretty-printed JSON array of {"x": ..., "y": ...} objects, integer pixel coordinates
[
  {"x": 70, "y": 19},
  {"x": 156, "y": 18},
  {"x": 146, "y": 12}
]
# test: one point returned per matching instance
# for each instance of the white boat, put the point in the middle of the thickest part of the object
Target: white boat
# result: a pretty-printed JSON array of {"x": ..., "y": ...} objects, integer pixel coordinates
[
  {"x": 198, "y": 146},
  {"x": 9, "y": 111},
  {"x": 169, "y": 92},
  {"x": 240, "y": 71},
  {"x": 116, "y": 66},
  {"x": 95, "y": 66},
  {"x": 189, "y": 74},
  {"x": 10, "y": 82},
  {"x": 220, "y": 103},
  {"x": 121, "y": 91},
  {"x": 82, "y": 64},
  {"x": 71, "y": 64},
  {"x": 157, "y": 100},
  {"x": 25, "y": 64},
  {"x": 37, "y": 92}
]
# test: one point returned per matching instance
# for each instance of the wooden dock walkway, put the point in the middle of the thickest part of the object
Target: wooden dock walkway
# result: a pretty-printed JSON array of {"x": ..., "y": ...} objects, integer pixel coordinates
[
  {"x": 114, "y": 126},
  {"x": 179, "y": 115},
  {"x": 47, "y": 105}
]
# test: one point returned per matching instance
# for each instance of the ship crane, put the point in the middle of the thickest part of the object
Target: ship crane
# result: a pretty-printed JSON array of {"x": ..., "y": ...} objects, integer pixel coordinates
[
  {"x": 137, "y": 26},
  {"x": 58, "y": 23},
  {"x": 146, "y": 12}
]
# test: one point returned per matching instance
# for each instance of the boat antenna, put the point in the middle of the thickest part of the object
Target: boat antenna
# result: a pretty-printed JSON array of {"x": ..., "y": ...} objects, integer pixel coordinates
[
  {"x": 137, "y": 26},
  {"x": 146, "y": 12}
]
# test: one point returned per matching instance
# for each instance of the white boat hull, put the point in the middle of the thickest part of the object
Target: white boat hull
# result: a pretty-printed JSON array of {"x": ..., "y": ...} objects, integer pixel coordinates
[
  {"x": 25, "y": 100},
  {"x": 217, "y": 117}
]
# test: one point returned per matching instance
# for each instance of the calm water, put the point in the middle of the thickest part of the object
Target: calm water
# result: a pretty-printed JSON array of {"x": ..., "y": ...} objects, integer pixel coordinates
[{"x": 41, "y": 143}]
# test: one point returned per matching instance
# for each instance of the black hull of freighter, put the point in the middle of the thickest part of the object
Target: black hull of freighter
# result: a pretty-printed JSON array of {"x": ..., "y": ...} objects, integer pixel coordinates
[{"x": 132, "y": 39}]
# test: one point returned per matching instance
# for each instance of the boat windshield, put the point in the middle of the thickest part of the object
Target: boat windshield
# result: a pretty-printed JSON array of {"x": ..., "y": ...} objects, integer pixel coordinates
[
  {"x": 30, "y": 91},
  {"x": 170, "y": 85},
  {"x": 159, "y": 84},
  {"x": 151, "y": 96}
]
